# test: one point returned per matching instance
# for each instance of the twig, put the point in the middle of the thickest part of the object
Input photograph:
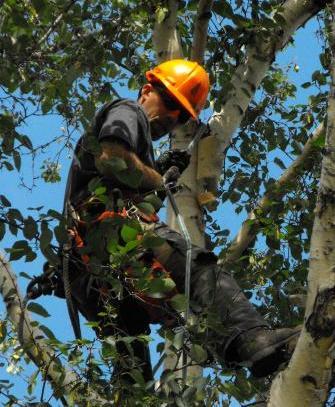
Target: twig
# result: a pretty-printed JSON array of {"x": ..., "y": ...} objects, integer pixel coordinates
[
  {"x": 61, "y": 378},
  {"x": 56, "y": 22},
  {"x": 201, "y": 30},
  {"x": 248, "y": 232}
]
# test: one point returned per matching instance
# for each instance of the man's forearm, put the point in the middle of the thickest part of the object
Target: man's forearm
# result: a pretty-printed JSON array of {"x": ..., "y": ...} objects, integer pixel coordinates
[{"x": 151, "y": 179}]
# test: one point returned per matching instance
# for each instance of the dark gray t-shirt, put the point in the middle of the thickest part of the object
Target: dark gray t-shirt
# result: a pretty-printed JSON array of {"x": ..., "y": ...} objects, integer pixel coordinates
[{"x": 123, "y": 121}]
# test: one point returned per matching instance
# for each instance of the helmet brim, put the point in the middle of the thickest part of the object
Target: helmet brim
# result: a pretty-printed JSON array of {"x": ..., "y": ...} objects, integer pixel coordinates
[{"x": 156, "y": 77}]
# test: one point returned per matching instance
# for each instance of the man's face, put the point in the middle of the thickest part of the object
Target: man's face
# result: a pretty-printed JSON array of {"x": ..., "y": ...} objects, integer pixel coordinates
[{"x": 163, "y": 116}]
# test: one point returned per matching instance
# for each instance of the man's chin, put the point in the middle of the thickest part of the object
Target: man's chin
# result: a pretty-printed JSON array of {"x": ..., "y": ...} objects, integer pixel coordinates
[
  {"x": 157, "y": 130},
  {"x": 160, "y": 129}
]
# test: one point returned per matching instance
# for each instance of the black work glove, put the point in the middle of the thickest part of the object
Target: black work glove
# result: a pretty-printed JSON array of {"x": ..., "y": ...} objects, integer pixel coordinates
[
  {"x": 171, "y": 176},
  {"x": 173, "y": 158},
  {"x": 170, "y": 179}
]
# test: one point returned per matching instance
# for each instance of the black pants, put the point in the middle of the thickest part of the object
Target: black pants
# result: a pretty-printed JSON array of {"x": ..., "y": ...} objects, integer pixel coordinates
[{"x": 211, "y": 288}]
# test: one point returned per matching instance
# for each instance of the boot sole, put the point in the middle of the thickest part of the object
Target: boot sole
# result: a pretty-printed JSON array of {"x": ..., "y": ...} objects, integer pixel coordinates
[{"x": 270, "y": 349}]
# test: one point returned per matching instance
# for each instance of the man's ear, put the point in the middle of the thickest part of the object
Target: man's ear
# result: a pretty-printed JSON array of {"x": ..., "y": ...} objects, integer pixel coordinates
[{"x": 147, "y": 88}]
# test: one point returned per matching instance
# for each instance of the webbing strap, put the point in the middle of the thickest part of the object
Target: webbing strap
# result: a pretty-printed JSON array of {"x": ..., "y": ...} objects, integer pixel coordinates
[{"x": 72, "y": 309}]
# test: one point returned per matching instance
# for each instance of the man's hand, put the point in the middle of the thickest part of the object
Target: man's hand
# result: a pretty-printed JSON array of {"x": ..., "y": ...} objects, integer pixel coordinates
[
  {"x": 169, "y": 179},
  {"x": 173, "y": 158},
  {"x": 171, "y": 176}
]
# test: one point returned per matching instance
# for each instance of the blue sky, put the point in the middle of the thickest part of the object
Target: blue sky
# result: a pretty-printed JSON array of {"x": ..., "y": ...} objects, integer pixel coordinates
[{"x": 41, "y": 129}]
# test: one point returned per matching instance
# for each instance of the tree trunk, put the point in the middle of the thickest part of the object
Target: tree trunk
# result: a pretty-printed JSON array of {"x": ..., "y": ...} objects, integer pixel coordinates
[{"x": 305, "y": 382}]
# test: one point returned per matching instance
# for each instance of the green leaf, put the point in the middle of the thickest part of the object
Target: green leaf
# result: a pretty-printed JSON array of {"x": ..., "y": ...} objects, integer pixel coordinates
[
  {"x": 5, "y": 201},
  {"x": 296, "y": 250},
  {"x": 17, "y": 160},
  {"x": 272, "y": 242},
  {"x": 133, "y": 179},
  {"x": 100, "y": 190},
  {"x": 320, "y": 141},
  {"x": 47, "y": 332},
  {"x": 169, "y": 284},
  {"x": 132, "y": 83},
  {"x": 39, "y": 5},
  {"x": 198, "y": 353},
  {"x": 179, "y": 302},
  {"x": 19, "y": 249},
  {"x": 319, "y": 77},
  {"x": 112, "y": 246},
  {"x": 189, "y": 394},
  {"x": 153, "y": 200},
  {"x": 131, "y": 246},
  {"x": 151, "y": 241},
  {"x": 3, "y": 331},
  {"x": 32, "y": 382},
  {"x": 159, "y": 287},
  {"x": 46, "y": 235},
  {"x": 30, "y": 256},
  {"x": 50, "y": 255},
  {"x": 25, "y": 140},
  {"x": 128, "y": 234},
  {"x": 13, "y": 228},
  {"x": 306, "y": 85},
  {"x": 223, "y": 9},
  {"x": 146, "y": 207},
  {"x": 145, "y": 338},
  {"x": 25, "y": 275},
  {"x": 2, "y": 230},
  {"x": 178, "y": 340},
  {"x": 234, "y": 159},
  {"x": 46, "y": 104},
  {"x": 108, "y": 350},
  {"x": 231, "y": 389},
  {"x": 61, "y": 233},
  {"x": 30, "y": 228},
  {"x": 161, "y": 14},
  {"x": 55, "y": 214},
  {"x": 38, "y": 309},
  {"x": 14, "y": 213},
  {"x": 280, "y": 163},
  {"x": 116, "y": 164},
  {"x": 94, "y": 184},
  {"x": 234, "y": 196}
]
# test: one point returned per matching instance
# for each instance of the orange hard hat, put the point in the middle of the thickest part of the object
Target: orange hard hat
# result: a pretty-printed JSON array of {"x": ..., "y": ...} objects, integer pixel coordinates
[{"x": 187, "y": 81}]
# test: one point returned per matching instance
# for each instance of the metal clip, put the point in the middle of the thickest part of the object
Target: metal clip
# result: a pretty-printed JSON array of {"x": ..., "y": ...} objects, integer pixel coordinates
[{"x": 133, "y": 212}]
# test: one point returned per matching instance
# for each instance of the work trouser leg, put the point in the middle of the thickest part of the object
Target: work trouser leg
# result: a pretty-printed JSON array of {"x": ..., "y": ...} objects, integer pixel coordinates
[
  {"x": 131, "y": 320},
  {"x": 211, "y": 288}
]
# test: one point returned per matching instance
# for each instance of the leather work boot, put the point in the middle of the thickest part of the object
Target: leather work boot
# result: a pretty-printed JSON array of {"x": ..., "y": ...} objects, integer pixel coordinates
[{"x": 263, "y": 350}]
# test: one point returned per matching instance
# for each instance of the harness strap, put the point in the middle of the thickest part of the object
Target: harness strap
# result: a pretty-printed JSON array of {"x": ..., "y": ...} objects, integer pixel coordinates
[{"x": 72, "y": 308}]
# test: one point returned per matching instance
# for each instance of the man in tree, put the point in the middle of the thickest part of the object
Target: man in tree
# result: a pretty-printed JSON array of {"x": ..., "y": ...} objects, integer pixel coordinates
[{"x": 122, "y": 132}]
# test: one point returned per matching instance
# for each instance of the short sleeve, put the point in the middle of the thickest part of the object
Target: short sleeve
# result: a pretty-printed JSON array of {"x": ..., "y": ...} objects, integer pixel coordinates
[{"x": 121, "y": 124}]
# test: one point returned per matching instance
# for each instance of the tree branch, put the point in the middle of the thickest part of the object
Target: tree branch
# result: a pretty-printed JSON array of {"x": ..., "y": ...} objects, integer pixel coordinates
[
  {"x": 251, "y": 72},
  {"x": 201, "y": 30},
  {"x": 58, "y": 19},
  {"x": 285, "y": 183},
  {"x": 165, "y": 36},
  {"x": 33, "y": 342},
  {"x": 305, "y": 382}
]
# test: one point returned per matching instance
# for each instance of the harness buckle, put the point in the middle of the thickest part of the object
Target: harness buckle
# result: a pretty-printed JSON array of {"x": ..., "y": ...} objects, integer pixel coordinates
[{"x": 133, "y": 211}]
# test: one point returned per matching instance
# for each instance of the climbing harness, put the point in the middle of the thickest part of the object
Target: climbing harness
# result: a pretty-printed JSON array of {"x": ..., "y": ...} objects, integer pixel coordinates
[{"x": 49, "y": 281}]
